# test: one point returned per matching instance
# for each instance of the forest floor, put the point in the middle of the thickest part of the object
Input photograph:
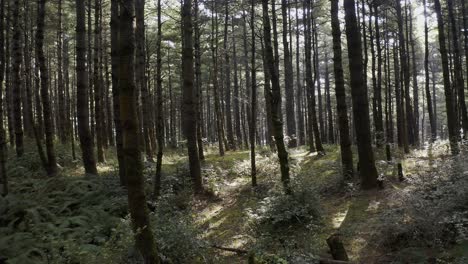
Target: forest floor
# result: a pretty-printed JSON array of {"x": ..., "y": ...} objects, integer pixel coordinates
[{"x": 76, "y": 219}]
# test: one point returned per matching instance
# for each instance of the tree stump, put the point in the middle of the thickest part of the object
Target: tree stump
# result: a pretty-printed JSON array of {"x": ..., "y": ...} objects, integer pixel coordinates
[
  {"x": 401, "y": 177},
  {"x": 337, "y": 248},
  {"x": 388, "y": 152}
]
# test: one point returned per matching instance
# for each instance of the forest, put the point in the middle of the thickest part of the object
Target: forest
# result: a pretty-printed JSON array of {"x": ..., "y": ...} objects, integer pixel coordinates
[{"x": 233, "y": 131}]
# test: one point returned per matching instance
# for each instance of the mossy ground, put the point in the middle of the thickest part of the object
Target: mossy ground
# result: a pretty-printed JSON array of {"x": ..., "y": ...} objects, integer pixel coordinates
[{"x": 226, "y": 220}]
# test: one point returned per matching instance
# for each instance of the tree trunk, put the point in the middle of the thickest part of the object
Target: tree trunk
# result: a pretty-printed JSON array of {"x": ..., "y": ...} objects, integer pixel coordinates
[
  {"x": 133, "y": 161},
  {"x": 458, "y": 82},
  {"x": 46, "y": 106},
  {"x": 360, "y": 100},
  {"x": 299, "y": 105},
  {"x": 16, "y": 79},
  {"x": 86, "y": 140},
  {"x": 253, "y": 119},
  {"x": 341, "y": 106},
  {"x": 214, "y": 52},
  {"x": 427, "y": 84},
  {"x": 188, "y": 97},
  {"x": 288, "y": 78},
  {"x": 97, "y": 85},
  {"x": 451, "y": 115},
  {"x": 275, "y": 100},
  {"x": 159, "y": 108},
  {"x": 3, "y": 173}
]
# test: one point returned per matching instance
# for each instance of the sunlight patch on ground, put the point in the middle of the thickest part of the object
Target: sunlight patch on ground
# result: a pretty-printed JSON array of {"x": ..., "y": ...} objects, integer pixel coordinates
[{"x": 339, "y": 217}]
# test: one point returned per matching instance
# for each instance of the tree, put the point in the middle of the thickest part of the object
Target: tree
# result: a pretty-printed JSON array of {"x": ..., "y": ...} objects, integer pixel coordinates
[
  {"x": 458, "y": 81},
  {"x": 275, "y": 100},
  {"x": 427, "y": 83},
  {"x": 253, "y": 124},
  {"x": 359, "y": 96},
  {"x": 46, "y": 107},
  {"x": 82, "y": 97},
  {"x": 288, "y": 76},
  {"x": 16, "y": 81},
  {"x": 130, "y": 129},
  {"x": 159, "y": 108},
  {"x": 341, "y": 107},
  {"x": 3, "y": 173},
  {"x": 97, "y": 85},
  {"x": 188, "y": 97},
  {"x": 451, "y": 115}
]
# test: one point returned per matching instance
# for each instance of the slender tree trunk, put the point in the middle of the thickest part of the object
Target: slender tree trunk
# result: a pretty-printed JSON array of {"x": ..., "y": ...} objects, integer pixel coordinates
[
  {"x": 451, "y": 115},
  {"x": 288, "y": 78},
  {"x": 341, "y": 106},
  {"x": 409, "y": 124},
  {"x": 97, "y": 85},
  {"x": 237, "y": 101},
  {"x": 218, "y": 114},
  {"x": 253, "y": 124},
  {"x": 47, "y": 112},
  {"x": 308, "y": 76},
  {"x": 415, "y": 80},
  {"x": 115, "y": 91},
  {"x": 427, "y": 84},
  {"x": 275, "y": 100},
  {"x": 331, "y": 134},
  {"x": 198, "y": 83},
  {"x": 3, "y": 173},
  {"x": 86, "y": 140},
  {"x": 188, "y": 97},
  {"x": 459, "y": 83},
  {"x": 367, "y": 168},
  {"x": 299, "y": 105},
  {"x": 378, "y": 89},
  {"x": 129, "y": 118},
  {"x": 159, "y": 107},
  {"x": 16, "y": 79}
]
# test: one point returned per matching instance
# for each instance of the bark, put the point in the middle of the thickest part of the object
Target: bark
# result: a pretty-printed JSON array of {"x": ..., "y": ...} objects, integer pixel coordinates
[
  {"x": 311, "y": 117},
  {"x": 275, "y": 100},
  {"x": 237, "y": 101},
  {"x": 458, "y": 81},
  {"x": 97, "y": 85},
  {"x": 415, "y": 80},
  {"x": 408, "y": 127},
  {"x": 27, "y": 72},
  {"x": 341, "y": 106},
  {"x": 3, "y": 172},
  {"x": 198, "y": 84},
  {"x": 359, "y": 96},
  {"x": 188, "y": 97},
  {"x": 288, "y": 78},
  {"x": 46, "y": 106},
  {"x": 16, "y": 80},
  {"x": 253, "y": 124},
  {"x": 378, "y": 116},
  {"x": 299, "y": 105},
  {"x": 141, "y": 80},
  {"x": 159, "y": 108},
  {"x": 227, "y": 83},
  {"x": 330, "y": 132},
  {"x": 62, "y": 117},
  {"x": 114, "y": 23},
  {"x": 144, "y": 237},
  {"x": 451, "y": 114},
  {"x": 427, "y": 78},
  {"x": 218, "y": 114},
  {"x": 82, "y": 97}
]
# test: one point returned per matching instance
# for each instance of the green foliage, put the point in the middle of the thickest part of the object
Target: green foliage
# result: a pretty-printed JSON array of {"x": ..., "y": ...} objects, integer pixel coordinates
[
  {"x": 432, "y": 211},
  {"x": 284, "y": 210}
]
